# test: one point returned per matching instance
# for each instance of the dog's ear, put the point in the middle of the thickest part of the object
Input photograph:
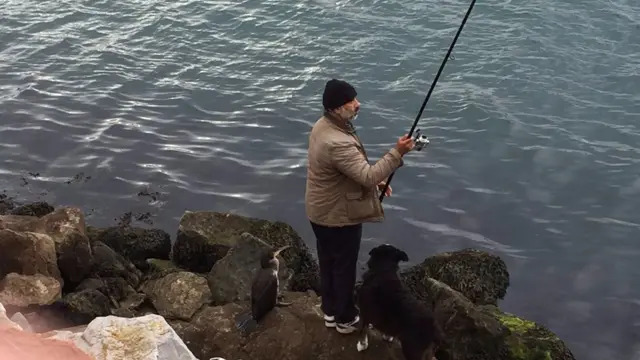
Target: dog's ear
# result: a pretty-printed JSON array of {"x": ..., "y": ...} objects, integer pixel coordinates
[
  {"x": 402, "y": 256},
  {"x": 375, "y": 251}
]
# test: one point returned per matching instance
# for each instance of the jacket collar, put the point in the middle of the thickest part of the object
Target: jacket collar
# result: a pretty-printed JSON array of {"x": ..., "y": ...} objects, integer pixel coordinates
[{"x": 340, "y": 124}]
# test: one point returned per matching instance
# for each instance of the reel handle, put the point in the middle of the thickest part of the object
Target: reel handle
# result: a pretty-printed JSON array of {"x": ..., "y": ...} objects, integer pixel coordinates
[{"x": 420, "y": 140}]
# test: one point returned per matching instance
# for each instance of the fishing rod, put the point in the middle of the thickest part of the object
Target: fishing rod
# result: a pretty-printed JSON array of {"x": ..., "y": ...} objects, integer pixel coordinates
[{"x": 421, "y": 140}]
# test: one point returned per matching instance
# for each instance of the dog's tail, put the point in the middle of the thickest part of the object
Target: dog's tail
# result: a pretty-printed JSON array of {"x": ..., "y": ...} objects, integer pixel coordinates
[{"x": 245, "y": 323}]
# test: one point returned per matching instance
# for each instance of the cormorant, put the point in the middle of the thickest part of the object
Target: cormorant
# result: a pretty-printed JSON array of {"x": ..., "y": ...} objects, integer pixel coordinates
[{"x": 264, "y": 292}]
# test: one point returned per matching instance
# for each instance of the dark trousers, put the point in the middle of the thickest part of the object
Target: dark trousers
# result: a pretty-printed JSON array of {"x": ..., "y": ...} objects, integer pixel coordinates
[{"x": 338, "y": 249}]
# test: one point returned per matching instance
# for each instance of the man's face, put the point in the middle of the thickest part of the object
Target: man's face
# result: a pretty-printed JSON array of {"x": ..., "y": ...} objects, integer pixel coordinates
[{"x": 349, "y": 110}]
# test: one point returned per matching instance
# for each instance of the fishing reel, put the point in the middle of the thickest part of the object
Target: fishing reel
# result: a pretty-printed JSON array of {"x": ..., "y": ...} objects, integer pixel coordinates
[{"x": 420, "y": 141}]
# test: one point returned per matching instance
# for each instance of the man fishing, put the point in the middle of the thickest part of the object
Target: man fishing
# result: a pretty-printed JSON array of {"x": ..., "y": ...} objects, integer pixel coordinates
[{"x": 341, "y": 194}]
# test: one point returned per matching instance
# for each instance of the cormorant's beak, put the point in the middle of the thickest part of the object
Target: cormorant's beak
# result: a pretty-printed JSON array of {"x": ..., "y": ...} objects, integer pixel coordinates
[{"x": 277, "y": 252}]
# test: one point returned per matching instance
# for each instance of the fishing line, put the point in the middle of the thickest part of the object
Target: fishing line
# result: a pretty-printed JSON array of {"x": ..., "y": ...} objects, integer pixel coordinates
[{"x": 433, "y": 85}]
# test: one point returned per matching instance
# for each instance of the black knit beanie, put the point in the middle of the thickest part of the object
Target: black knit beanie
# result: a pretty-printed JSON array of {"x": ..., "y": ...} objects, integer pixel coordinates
[{"x": 337, "y": 93}]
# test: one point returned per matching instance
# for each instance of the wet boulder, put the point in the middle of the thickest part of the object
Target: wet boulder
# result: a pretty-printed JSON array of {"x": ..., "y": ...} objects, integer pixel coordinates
[
  {"x": 27, "y": 253},
  {"x": 115, "y": 288},
  {"x": 135, "y": 244},
  {"x": 482, "y": 332},
  {"x": 199, "y": 243},
  {"x": 25, "y": 290},
  {"x": 88, "y": 303},
  {"x": 480, "y": 276},
  {"x": 6, "y": 204},
  {"x": 67, "y": 228},
  {"x": 109, "y": 263},
  {"x": 124, "y": 300},
  {"x": 178, "y": 295},
  {"x": 205, "y": 237},
  {"x": 74, "y": 309},
  {"x": 37, "y": 209}
]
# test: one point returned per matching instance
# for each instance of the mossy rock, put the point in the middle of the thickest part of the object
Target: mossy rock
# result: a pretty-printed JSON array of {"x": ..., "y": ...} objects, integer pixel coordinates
[
  {"x": 162, "y": 265},
  {"x": 158, "y": 268},
  {"x": 37, "y": 209},
  {"x": 483, "y": 332},
  {"x": 204, "y": 237},
  {"x": 6, "y": 204},
  {"x": 531, "y": 341},
  {"x": 482, "y": 277},
  {"x": 135, "y": 244}
]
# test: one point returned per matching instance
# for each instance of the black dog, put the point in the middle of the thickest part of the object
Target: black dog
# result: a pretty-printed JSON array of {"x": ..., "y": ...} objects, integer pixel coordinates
[{"x": 387, "y": 304}]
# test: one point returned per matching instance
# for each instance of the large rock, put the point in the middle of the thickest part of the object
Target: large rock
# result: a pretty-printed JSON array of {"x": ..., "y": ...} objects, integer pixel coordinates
[
  {"x": 230, "y": 278},
  {"x": 114, "y": 338},
  {"x": 482, "y": 277},
  {"x": 205, "y": 237},
  {"x": 87, "y": 304},
  {"x": 24, "y": 290},
  {"x": 6, "y": 204},
  {"x": 74, "y": 309},
  {"x": 483, "y": 332},
  {"x": 37, "y": 209},
  {"x": 67, "y": 229},
  {"x": 287, "y": 333},
  {"x": 116, "y": 288},
  {"x": 178, "y": 295},
  {"x": 109, "y": 263},
  {"x": 27, "y": 253},
  {"x": 135, "y": 244}
]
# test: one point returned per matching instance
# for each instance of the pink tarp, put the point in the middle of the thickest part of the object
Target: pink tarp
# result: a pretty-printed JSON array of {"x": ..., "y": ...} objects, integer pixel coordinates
[{"x": 20, "y": 345}]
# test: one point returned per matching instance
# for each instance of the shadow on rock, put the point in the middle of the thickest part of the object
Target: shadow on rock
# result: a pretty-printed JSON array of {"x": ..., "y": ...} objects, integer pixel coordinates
[
  {"x": 135, "y": 244},
  {"x": 291, "y": 333},
  {"x": 231, "y": 277}
]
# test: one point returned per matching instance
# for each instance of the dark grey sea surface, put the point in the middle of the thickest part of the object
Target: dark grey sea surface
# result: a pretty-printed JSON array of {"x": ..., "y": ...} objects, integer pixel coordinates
[{"x": 534, "y": 126}]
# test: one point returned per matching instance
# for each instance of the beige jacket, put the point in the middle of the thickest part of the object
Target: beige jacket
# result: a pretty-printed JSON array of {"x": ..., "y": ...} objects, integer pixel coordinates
[{"x": 341, "y": 184}]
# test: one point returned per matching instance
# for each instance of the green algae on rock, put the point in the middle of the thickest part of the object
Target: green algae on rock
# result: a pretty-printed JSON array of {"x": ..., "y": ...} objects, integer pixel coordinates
[
  {"x": 532, "y": 341},
  {"x": 205, "y": 237}
]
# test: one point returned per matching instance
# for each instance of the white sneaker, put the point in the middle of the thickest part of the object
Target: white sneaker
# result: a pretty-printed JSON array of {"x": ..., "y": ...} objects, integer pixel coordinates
[
  {"x": 329, "y": 321},
  {"x": 349, "y": 327}
]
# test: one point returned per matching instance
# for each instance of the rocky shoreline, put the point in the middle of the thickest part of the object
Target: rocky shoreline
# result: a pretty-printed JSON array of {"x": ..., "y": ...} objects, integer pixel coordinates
[{"x": 60, "y": 273}]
